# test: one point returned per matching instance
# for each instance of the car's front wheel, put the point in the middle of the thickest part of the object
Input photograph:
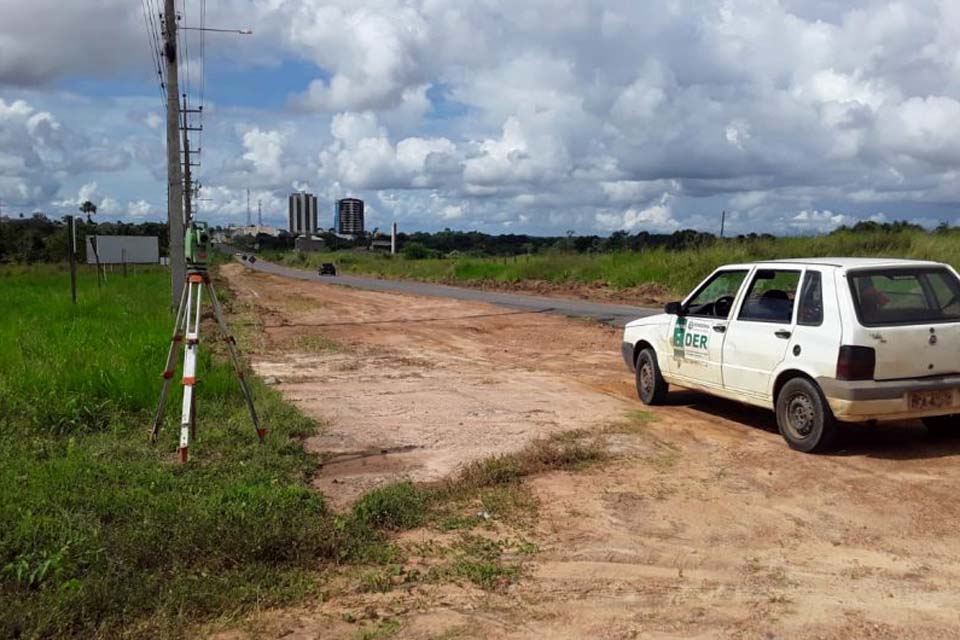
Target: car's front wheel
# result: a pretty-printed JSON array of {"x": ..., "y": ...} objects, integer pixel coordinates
[
  {"x": 651, "y": 387},
  {"x": 943, "y": 426},
  {"x": 804, "y": 417}
]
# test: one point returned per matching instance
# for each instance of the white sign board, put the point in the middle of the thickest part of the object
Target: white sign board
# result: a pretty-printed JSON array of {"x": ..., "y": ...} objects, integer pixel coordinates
[{"x": 120, "y": 249}]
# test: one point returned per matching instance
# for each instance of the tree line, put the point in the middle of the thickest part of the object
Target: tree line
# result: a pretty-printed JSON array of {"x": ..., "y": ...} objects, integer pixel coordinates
[{"x": 39, "y": 238}]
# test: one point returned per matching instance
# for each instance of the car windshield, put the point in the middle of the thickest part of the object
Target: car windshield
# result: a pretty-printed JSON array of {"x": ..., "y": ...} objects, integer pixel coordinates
[{"x": 905, "y": 296}]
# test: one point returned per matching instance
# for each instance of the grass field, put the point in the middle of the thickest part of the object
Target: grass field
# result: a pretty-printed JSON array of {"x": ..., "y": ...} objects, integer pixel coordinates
[
  {"x": 99, "y": 531},
  {"x": 675, "y": 272}
]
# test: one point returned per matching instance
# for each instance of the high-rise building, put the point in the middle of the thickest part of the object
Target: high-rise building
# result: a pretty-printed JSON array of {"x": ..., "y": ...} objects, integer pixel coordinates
[
  {"x": 348, "y": 219},
  {"x": 303, "y": 214}
]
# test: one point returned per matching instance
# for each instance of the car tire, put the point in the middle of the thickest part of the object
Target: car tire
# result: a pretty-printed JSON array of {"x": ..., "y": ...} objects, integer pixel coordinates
[
  {"x": 651, "y": 387},
  {"x": 804, "y": 417},
  {"x": 943, "y": 426}
]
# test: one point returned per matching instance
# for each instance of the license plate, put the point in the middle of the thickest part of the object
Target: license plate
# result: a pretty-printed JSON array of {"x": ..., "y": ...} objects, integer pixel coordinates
[{"x": 922, "y": 400}]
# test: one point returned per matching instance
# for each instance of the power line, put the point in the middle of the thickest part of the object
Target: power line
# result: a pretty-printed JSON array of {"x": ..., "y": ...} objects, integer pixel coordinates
[
  {"x": 155, "y": 19},
  {"x": 153, "y": 42}
]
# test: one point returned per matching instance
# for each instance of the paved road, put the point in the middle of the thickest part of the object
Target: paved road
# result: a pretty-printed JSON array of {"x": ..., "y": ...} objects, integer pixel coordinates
[{"x": 615, "y": 314}]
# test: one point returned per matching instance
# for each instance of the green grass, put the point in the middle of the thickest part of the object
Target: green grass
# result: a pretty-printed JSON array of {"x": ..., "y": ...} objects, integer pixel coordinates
[
  {"x": 675, "y": 272},
  {"x": 101, "y": 533}
]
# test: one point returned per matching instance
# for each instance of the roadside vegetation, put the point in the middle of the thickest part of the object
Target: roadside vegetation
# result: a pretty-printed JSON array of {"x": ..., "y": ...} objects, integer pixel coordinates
[
  {"x": 673, "y": 270},
  {"x": 103, "y": 535}
]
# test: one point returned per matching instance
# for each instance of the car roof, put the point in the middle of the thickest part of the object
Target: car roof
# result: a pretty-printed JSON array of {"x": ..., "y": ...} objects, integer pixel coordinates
[{"x": 850, "y": 263}]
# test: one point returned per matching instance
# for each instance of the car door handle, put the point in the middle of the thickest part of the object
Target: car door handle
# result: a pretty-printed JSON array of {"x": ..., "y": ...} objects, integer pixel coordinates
[
  {"x": 782, "y": 334},
  {"x": 720, "y": 328}
]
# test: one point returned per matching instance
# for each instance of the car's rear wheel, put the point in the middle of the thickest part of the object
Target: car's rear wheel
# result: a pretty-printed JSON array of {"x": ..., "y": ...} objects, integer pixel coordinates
[
  {"x": 651, "y": 387},
  {"x": 804, "y": 417},
  {"x": 943, "y": 426}
]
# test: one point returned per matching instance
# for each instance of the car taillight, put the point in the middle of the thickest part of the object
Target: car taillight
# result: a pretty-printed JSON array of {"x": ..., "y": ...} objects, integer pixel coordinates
[{"x": 856, "y": 363}]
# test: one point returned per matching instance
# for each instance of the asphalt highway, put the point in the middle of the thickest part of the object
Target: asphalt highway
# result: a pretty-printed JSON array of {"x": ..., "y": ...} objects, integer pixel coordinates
[{"x": 614, "y": 314}]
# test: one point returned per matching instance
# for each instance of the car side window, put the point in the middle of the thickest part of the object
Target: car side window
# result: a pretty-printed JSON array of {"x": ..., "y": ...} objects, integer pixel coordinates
[
  {"x": 715, "y": 298},
  {"x": 810, "y": 309},
  {"x": 771, "y": 296}
]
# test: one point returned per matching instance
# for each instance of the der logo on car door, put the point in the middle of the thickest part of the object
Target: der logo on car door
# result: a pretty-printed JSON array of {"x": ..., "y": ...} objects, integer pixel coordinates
[{"x": 690, "y": 339}]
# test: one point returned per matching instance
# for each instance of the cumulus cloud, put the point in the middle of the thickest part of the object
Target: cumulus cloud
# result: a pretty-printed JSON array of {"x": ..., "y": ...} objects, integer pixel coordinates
[
  {"x": 376, "y": 52},
  {"x": 30, "y": 152},
  {"x": 818, "y": 220},
  {"x": 550, "y": 114},
  {"x": 362, "y": 156},
  {"x": 265, "y": 150},
  {"x": 40, "y": 40},
  {"x": 657, "y": 217},
  {"x": 139, "y": 209}
]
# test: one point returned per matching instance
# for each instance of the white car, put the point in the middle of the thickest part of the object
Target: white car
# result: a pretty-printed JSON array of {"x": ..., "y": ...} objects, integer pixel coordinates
[{"x": 818, "y": 341}]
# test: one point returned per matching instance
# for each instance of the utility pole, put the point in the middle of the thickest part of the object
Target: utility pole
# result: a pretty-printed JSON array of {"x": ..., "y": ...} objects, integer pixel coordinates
[
  {"x": 175, "y": 218},
  {"x": 248, "y": 208},
  {"x": 259, "y": 214},
  {"x": 723, "y": 221}
]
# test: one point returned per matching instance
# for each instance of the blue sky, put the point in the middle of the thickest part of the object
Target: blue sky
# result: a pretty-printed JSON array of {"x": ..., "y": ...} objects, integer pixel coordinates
[{"x": 794, "y": 117}]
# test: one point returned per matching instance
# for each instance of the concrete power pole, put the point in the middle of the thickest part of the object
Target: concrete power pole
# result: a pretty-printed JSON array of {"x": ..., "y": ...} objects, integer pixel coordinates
[{"x": 174, "y": 178}]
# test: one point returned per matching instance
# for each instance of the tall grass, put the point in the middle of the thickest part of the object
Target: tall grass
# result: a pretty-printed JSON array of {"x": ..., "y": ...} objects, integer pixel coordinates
[
  {"x": 673, "y": 271},
  {"x": 101, "y": 533}
]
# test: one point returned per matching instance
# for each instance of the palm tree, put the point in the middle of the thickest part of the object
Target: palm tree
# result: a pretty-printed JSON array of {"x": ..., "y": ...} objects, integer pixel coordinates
[{"x": 89, "y": 209}]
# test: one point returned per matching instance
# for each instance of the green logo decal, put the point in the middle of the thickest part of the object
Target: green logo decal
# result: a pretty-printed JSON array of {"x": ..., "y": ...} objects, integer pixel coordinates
[
  {"x": 690, "y": 339},
  {"x": 679, "y": 330}
]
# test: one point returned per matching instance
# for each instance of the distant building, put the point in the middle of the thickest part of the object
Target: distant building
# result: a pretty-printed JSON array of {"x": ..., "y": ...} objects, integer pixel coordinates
[
  {"x": 254, "y": 230},
  {"x": 348, "y": 219},
  {"x": 303, "y": 214}
]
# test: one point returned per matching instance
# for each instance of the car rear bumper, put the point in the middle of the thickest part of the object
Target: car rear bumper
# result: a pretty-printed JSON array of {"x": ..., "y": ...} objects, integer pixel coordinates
[
  {"x": 626, "y": 350},
  {"x": 858, "y": 400}
]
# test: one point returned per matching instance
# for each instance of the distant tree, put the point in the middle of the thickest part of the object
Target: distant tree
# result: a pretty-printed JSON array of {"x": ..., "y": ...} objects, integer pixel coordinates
[{"x": 89, "y": 209}]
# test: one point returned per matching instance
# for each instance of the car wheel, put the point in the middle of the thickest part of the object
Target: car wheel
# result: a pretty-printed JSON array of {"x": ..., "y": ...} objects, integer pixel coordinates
[
  {"x": 651, "y": 387},
  {"x": 804, "y": 417},
  {"x": 943, "y": 426}
]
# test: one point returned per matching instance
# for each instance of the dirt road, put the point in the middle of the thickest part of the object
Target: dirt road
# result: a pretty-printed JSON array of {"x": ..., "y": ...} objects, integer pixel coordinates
[{"x": 707, "y": 525}]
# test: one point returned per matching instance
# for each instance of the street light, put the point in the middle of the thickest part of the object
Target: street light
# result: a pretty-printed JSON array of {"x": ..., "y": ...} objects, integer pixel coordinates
[{"x": 243, "y": 32}]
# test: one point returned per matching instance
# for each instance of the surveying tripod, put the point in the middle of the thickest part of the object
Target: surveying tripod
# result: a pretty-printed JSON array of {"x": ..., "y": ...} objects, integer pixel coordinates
[{"x": 187, "y": 326}]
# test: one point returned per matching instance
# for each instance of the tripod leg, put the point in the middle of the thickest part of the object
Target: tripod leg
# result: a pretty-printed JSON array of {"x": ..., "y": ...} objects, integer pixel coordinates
[
  {"x": 192, "y": 334},
  {"x": 235, "y": 360},
  {"x": 168, "y": 367}
]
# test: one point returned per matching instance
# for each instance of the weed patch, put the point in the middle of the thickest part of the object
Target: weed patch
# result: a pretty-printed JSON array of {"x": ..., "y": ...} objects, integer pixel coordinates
[{"x": 393, "y": 507}]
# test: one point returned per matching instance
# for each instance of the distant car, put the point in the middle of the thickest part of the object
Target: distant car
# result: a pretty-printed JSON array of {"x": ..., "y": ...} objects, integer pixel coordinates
[
  {"x": 819, "y": 341},
  {"x": 327, "y": 269}
]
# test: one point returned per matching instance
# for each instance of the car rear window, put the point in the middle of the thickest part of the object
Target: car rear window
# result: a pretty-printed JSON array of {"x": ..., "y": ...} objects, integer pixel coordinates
[{"x": 905, "y": 296}]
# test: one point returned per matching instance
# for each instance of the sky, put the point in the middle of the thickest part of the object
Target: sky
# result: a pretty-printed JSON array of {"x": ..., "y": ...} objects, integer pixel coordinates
[{"x": 505, "y": 116}]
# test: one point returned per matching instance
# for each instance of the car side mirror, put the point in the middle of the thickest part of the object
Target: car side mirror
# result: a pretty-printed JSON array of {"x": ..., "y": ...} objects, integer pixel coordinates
[{"x": 673, "y": 309}]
